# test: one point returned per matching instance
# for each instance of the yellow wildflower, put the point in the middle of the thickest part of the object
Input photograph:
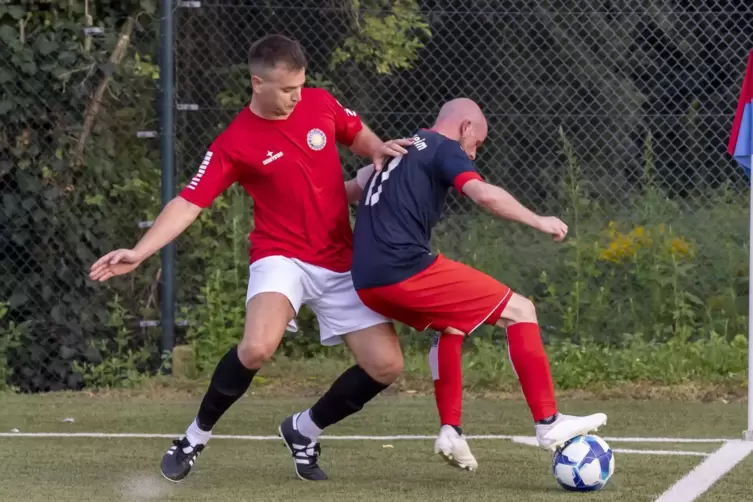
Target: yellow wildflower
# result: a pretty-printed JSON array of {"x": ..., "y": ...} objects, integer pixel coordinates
[
  {"x": 620, "y": 247},
  {"x": 679, "y": 247}
]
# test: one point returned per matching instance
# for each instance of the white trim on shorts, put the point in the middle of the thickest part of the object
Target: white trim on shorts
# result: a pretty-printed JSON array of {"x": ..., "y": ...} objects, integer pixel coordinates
[{"x": 509, "y": 292}]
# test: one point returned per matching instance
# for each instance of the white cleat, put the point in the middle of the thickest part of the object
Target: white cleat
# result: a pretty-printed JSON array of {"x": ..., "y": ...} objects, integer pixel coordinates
[
  {"x": 454, "y": 448},
  {"x": 566, "y": 427}
]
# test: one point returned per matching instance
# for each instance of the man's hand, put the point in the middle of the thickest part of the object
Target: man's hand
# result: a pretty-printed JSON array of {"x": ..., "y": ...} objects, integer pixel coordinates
[
  {"x": 552, "y": 226},
  {"x": 391, "y": 148},
  {"x": 367, "y": 144},
  {"x": 115, "y": 263}
]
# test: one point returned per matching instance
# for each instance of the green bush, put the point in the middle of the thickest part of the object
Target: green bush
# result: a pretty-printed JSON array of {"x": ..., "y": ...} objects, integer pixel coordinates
[
  {"x": 71, "y": 191},
  {"x": 123, "y": 360},
  {"x": 709, "y": 359},
  {"x": 12, "y": 336}
]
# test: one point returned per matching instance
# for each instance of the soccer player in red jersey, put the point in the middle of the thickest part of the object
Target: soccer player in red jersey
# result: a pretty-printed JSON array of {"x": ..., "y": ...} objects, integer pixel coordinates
[
  {"x": 282, "y": 149},
  {"x": 396, "y": 274}
]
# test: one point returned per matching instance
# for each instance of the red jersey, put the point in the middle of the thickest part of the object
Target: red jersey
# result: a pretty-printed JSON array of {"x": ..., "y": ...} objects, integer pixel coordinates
[{"x": 291, "y": 168}]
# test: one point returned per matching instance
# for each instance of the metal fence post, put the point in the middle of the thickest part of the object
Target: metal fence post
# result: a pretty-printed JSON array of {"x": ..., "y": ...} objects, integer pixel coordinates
[{"x": 167, "y": 155}]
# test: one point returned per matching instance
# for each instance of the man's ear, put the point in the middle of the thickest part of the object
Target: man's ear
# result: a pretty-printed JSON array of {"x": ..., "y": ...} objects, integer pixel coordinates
[
  {"x": 465, "y": 128},
  {"x": 256, "y": 83}
]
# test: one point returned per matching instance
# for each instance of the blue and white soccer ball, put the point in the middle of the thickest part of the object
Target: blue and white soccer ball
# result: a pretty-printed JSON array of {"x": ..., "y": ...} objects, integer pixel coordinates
[{"x": 584, "y": 464}]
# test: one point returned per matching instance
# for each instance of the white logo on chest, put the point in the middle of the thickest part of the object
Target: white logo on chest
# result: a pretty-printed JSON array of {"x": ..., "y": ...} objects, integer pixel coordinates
[
  {"x": 271, "y": 157},
  {"x": 419, "y": 143},
  {"x": 316, "y": 139}
]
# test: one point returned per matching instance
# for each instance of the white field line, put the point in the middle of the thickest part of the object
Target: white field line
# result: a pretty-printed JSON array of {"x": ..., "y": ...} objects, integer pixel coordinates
[
  {"x": 708, "y": 472},
  {"x": 665, "y": 440},
  {"x": 528, "y": 440},
  {"x": 531, "y": 441},
  {"x": 677, "y": 453},
  {"x": 695, "y": 483},
  {"x": 520, "y": 439}
]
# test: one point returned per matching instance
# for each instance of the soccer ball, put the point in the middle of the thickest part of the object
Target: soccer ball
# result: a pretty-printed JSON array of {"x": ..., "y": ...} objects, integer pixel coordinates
[{"x": 584, "y": 464}]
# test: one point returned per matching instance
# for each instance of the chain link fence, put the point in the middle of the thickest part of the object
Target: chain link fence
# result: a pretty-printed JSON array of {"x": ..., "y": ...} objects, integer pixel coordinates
[
  {"x": 613, "y": 115},
  {"x": 79, "y": 171},
  {"x": 611, "y": 75}
]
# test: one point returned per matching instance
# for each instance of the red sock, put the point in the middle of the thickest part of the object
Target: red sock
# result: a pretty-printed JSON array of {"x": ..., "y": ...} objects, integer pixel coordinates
[
  {"x": 445, "y": 360},
  {"x": 531, "y": 364}
]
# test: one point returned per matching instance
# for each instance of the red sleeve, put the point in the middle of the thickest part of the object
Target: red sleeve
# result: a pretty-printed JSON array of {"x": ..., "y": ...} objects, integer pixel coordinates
[
  {"x": 463, "y": 178},
  {"x": 454, "y": 168},
  {"x": 215, "y": 174},
  {"x": 347, "y": 122}
]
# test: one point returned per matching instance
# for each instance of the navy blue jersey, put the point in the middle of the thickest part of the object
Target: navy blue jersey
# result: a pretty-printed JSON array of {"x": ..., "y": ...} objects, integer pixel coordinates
[{"x": 400, "y": 206}]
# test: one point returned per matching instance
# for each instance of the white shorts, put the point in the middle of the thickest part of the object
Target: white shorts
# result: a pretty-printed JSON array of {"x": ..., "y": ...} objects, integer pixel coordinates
[{"x": 329, "y": 294}]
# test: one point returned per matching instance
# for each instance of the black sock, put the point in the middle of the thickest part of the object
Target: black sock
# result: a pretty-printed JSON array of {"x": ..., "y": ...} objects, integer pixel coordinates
[
  {"x": 348, "y": 394},
  {"x": 229, "y": 382}
]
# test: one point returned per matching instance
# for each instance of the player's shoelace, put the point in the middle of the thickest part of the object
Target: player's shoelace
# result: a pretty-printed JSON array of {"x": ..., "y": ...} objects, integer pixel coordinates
[{"x": 307, "y": 455}]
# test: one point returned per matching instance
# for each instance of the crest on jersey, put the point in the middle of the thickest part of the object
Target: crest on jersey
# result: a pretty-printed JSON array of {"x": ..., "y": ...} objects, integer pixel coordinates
[{"x": 316, "y": 139}]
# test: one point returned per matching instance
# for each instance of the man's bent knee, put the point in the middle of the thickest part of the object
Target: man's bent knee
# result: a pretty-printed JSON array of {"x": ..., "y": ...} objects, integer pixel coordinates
[
  {"x": 254, "y": 354},
  {"x": 267, "y": 315},
  {"x": 377, "y": 351},
  {"x": 385, "y": 370},
  {"x": 518, "y": 309}
]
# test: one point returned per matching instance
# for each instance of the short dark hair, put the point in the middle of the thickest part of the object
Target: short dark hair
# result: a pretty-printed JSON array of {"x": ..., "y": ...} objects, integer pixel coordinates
[{"x": 272, "y": 50}]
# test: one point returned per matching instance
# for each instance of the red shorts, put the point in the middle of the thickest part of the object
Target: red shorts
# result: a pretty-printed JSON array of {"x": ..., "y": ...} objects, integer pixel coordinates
[{"x": 447, "y": 294}]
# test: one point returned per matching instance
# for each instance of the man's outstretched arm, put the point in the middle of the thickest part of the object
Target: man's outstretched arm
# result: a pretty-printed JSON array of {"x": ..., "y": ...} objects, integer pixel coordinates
[
  {"x": 172, "y": 221},
  {"x": 174, "y": 218},
  {"x": 215, "y": 174},
  {"x": 500, "y": 203}
]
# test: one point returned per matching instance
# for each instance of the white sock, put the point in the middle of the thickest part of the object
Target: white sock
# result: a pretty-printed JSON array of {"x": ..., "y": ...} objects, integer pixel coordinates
[
  {"x": 306, "y": 426},
  {"x": 197, "y": 436}
]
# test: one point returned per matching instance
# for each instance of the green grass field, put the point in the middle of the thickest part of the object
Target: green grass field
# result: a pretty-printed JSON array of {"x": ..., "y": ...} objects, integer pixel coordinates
[{"x": 107, "y": 469}]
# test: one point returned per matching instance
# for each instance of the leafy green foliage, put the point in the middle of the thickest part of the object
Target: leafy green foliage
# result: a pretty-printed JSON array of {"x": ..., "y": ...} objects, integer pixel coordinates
[
  {"x": 707, "y": 358},
  {"x": 11, "y": 337},
  {"x": 63, "y": 216},
  {"x": 387, "y": 36},
  {"x": 123, "y": 360},
  {"x": 218, "y": 321}
]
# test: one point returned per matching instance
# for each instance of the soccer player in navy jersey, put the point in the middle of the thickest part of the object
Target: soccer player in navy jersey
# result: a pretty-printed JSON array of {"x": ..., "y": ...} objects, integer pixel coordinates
[
  {"x": 281, "y": 149},
  {"x": 396, "y": 274}
]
